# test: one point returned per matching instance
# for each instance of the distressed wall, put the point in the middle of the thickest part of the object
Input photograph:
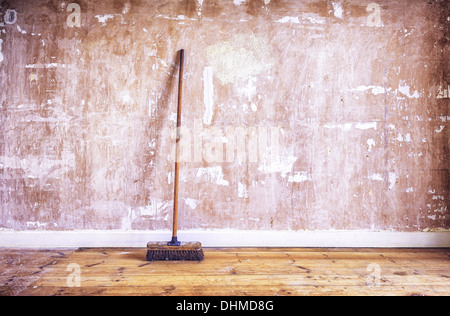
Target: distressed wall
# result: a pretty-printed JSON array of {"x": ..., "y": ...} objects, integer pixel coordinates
[{"x": 298, "y": 115}]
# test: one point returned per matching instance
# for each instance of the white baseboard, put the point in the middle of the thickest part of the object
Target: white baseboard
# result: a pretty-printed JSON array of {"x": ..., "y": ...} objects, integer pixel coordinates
[{"x": 226, "y": 238}]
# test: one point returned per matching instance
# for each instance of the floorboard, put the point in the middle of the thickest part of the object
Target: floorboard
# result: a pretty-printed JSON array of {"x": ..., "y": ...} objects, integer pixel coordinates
[{"x": 227, "y": 272}]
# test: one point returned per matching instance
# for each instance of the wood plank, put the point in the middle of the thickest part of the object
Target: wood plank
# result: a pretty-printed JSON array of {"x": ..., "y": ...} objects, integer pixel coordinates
[
  {"x": 297, "y": 252},
  {"x": 267, "y": 267},
  {"x": 129, "y": 259},
  {"x": 241, "y": 280},
  {"x": 237, "y": 272},
  {"x": 241, "y": 291},
  {"x": 20, "y": 268}
]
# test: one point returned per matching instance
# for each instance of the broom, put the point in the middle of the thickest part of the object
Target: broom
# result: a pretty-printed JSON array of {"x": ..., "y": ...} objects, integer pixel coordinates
[{"x": 176, "y": 250}]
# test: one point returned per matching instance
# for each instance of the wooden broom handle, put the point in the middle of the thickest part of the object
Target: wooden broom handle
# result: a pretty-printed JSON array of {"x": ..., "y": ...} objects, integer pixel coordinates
[{"x": 177, "y": 161}]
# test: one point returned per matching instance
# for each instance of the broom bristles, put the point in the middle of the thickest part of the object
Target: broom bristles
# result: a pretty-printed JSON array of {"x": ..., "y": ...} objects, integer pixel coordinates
[
  {"x": 184, "y": 252},
  {"x": 175, "y": 255}
]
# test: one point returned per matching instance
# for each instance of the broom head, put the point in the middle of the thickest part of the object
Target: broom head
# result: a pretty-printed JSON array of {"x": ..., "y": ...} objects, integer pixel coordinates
[{"x": 162, "y": 251}]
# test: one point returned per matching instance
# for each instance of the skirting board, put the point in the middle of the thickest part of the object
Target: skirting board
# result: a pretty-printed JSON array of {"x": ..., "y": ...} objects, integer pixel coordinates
[{"x": 226, "y": 238}]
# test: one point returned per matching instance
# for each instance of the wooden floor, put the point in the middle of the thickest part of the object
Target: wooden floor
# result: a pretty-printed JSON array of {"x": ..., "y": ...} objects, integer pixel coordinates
[{"x": 227, "y": 272}]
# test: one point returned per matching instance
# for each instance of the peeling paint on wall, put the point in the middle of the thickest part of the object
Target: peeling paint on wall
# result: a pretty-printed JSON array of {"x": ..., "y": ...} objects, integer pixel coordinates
[
  {"x": 208, "y": 94},
  {"x": 192, "y": 203},
  {"x": 241, "y": 57},
  {"x": 297, "y": 115},
  {"x": 338, "y": 10},
  {"x": 104, "y": 18},
  {"x": 1, "y": 47},
  {"x": 404, "y": 89},
  {"x": 375, "y": 90},
  {"x": 212, "y": 174},
  {"x": 283, "y": 165},
  {"x": 392, "y": 180},
  {"x": 289, "y": 19},
  {"x": 300, "y": 177},
  {"x": 242, "y": 190}
]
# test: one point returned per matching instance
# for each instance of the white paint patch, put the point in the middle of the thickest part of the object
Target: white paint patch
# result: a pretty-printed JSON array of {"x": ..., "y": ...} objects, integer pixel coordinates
[
  {"x": 442, "y": 210},
  {"x": 443, "y": 93},
  {"x": 37, "y": 167},
  {"x": 126, "y": 98},
  {"x": 300, "y": 177},
  {"x": 289, "y": 19},
  {"x": 127, "y": 221},
  {"x": 208, "y": 94},
  {"x": 338, "y": 10},
  {"x": 177, "y": 18},
  {"x": 410, "y": 190},
  {"x": 20, "y": 30},
  {"x": 408, "y": 138},
  {"x": 104, "y": 18},
  {"x": 126, "y": 8},
  {"x": 370, "y": 143},
  {"x": 43, "y": 66},
  {"x": 314, "y": 21},
  {"x": 173, "y": 117},
  {"x": 191, "y": 203},
  {"x": 254, "y": 107},
  {"x": 344, "y": 127},
  {"x": 200, "y": 6},
  {"x": 1, "y": 48},
  {"x": 281, "y": 165},
  {"x": 349, "y": 126},
  {"x": 241, "y": 57},
  {"x": 376, "y": 177},
  {"x": 36, "y": 225},
  {"x": 376, "y": 90},
  {"x": 365, "y": 126},
  {"x": 440, "y": 129},
  {"x": 238, "y": 2},
  {"x": 242, "y": 190},
  {"x": 405, "y": 90},
  {"x": 249, "y": 90},
  {"x": 213, "y": 175},
  {"x": 156, "y": 209},
  {"x": 408, "y": 33},
  {"x": 415, "y": 154},
  {"x": 392, "y": 180}
]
